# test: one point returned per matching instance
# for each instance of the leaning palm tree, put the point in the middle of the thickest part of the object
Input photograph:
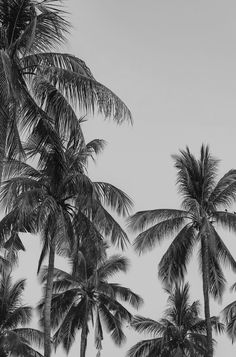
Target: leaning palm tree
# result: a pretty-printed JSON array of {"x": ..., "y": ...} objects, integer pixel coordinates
[
  {"x": 45, "y": 199},
  {"x": 15, "y": 338},
  {"x": 204, "y": 202},
  {"x": 37, "y": 85},
  {"x": 181, "y": 332},
  {"x": 86, "y": 296}
]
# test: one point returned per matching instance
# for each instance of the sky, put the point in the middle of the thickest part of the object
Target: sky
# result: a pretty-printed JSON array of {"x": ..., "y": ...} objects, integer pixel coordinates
[{"x": 173, "y": 62}]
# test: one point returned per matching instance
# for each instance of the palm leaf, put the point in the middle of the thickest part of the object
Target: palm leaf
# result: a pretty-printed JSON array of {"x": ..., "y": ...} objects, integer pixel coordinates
[
  {"x": 144, "y": 219},
  {"x": 148, "y": 348},
  {"x": 147, "y": 239},
  {"x": 88, "y": 93},
  {"x": 113, "y": 198},
  {"x": 146, "y": 325},
  {"x": 174, "y": 262},
  {"x": 111, "y": 266}
]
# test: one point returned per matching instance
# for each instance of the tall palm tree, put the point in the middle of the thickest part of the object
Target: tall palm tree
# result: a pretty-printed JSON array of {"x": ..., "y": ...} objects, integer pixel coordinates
[
  {"x": 229, "y": 315},
  {"x": 204, "y": 202},
  {"x": 38, "y": 86},
  {"x": 86, "y": 296},
  {"x": 15, "y": 338},
  {"x": 45, "y": 199},
  {"x": 181, "y": 332}
]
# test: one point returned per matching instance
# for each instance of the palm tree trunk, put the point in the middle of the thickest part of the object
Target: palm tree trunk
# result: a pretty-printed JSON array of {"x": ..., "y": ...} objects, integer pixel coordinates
[
  {"x": 83, "y": 342},
  {"x": 48, "y": 301},
  {"x": 205, "y": 278},
  {"x": 3, "y": 138}
]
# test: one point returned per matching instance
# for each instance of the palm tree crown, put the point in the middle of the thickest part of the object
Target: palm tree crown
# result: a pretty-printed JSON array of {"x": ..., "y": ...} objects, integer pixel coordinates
[
  {"x": 86, "y": 296},
  {"x": 203, "y": 201},
  {"x": 181, "y": 332}
]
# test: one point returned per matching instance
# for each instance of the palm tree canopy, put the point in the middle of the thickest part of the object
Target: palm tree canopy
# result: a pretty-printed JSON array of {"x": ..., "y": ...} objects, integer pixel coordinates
[
  {"x": 39, "y": 86},
  {"x": 14, "y": 336},
  {"x": 204, "y": 203},
  {"x": 86, "y": 296},
  {"x": 57, "y": 197},
  {"x": 181, "y": 332}
]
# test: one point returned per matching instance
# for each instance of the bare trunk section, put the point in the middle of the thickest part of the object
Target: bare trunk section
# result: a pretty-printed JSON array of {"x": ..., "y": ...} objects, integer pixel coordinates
[
  {"x": 3, "y": 139},
  {"x": 205, "y": 276},
  {"x": 48, "y": 301},
  {"x": 83, "y": 342}
]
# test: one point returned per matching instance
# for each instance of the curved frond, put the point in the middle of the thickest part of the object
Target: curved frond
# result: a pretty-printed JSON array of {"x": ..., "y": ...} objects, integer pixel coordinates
[
  {"x": 88, "y": 93},
  {"x": 20, "y": 315},
  {"x": 72, "y": 321},
  {"x": 222, "y": 252},
  {"x": 216, "y": 278},
  {"x": 125, "y": 294},
  {"x": 113, "y": 197},
  {"x": 108, "y": 226},
  {"x": 149, "y": 238},
  {"x": 224, "y": 192},
  {"x": 229, "y": 316},
  {"x": 226, "y": 220},
  {"x": 113, "y": 325},
  {"x": 143, "y": 324},
  {"x": 151, "y": 348},
  {"x": 144, "y": 219},
  {"x": 174, "y": 262},
  {"x": 112, "y": 266},
  {"x": 66, "y": 61},
  {"x": 32, "y": 336}
]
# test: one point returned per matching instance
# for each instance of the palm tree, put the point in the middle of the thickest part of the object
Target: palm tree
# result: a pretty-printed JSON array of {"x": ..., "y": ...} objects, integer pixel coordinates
[
  {"x": 229, "y": 314},
  {"x": 38, "y": 86},
  {"x": 181, "y": 332},
  {"x": 203, "y": 205},
  {"x": 15, "y": 338},
  {"x": 86, "y": 296},
  {"x": 45, "y": 200}
]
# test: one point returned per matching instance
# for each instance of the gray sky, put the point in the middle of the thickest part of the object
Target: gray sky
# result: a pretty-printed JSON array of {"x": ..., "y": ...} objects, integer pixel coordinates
[{"x": 173, "y": 63}]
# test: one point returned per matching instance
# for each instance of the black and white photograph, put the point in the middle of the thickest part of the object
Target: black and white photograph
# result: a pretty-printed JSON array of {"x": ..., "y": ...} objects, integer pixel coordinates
[{"x": 117, "y": 178}]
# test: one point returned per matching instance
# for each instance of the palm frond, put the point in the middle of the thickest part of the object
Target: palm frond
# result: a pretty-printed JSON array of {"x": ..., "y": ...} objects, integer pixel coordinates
[
  {"x": 126, "y": 295},
  {"x": 20, "y": 315},
  {"x": 113, "y": 325},
  {"x": 32, "y": 336},
  {"x": 112, "y": 266},
  {"x": 144, "y": 219},
  {"x": 36, "y": 61},
  {"x": 225, "y": 190},
  {"x": 195, "y": 178},
  {"x": 143, "y": 348},
  {"x": 71, "y": 322},
  {"x": 142, "y": 324},
  {"x": 216, "y": 278},
  {"x": 113, "y": 198},
  {"x": 174, "y": 262},
  {"x": 223, "y": 252},
  {"x": 88, "y": 93},
  {"x": 226, "y": 220},
  {"x": 149, "y": 238},
  {"x": 108, "y": 226}
]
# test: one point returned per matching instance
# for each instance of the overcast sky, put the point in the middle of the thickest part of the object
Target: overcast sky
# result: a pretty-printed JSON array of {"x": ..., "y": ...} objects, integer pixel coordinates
[{"x": 174, "y": 64}]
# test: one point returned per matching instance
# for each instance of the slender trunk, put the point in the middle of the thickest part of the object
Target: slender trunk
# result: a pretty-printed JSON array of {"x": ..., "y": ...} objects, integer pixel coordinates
[
  {"x": 48, "y": 301},
  {"x": 83, "y": 342},
  {"x": 3, "y": 138},
  {"x": 205, "y": 278}
]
